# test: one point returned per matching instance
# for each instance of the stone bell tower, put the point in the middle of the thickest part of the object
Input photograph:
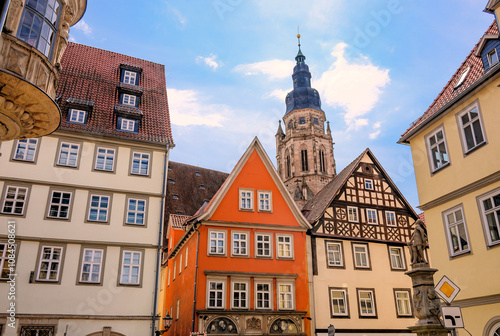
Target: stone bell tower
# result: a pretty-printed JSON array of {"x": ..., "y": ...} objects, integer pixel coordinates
[{"x": 304, "y": 151}]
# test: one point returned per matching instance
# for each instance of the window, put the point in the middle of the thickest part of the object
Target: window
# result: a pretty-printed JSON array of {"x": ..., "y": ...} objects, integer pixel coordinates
[
  {"x": 77, "y": 116},
  {"x": 366, "y": 300},
  {"x": 369, "y": 184},
  {"x": 288, "y": 166},
  {"x": 490, "y": 210},
  {"x": 471, "y": 128},
  {"x": 315, "y": 121},
  {"x": 396, "y": 255},
  {"x": 129, "y": 77},
  {"x": 59, "y": 204},
  {"x": 403, "y": 303},
  {"x": 68, "y": 154},
  {"x": 38, "y": 26},
  {"x": 263, "y": 295},
  {"x": 50, "y": 263},
  {"x": 26, "y": 150},
  {"x": 334, "y": 254},
  {"x": 302, "y": 120},
  {"x": 305, "y": 165},
  {"x": 186, "y": 258},
  {"x": 371, "y": 216},
  {"x": 131, "y": 267},
  {"x": 4, "y": 260},
  {"x": 285, "y": 246},
  {"x": 202, "y": 186},
  {"x": 322, "y": 166},
  {"x": 98, "y": 208},
  {"x": 246, "y": 199},
  {"x": 140, "y": 163},
  {"x": 178, "y": 308},
  {"x": 90, "y": 271},
  {"x": 265, "y": 201},
  {"x": 263, "y": 245},
  {"x": 285, "y": 296},
  {"x": 239, "y": 295},
  {"x": 37, "y": 331},
  {"x": 105, "y": 159},
  {"x": 352, "y": 213},
  {"x": 128, "y": 125},
  {"x": 217, "y": 242},
  {"x": 180, "y": 264},
  {"x": 14, "y": 200},
  {"x": 437, "y": 149},
  {"x": 175, "y": 269},
  {"x": 136, "y": 211},
  {"x": 462, "y": 78},
  {"x": 361, "y": 256},
  {"x": 390, "y": 218},
  {"x": 456, "y": 232},
  {"x": 129, "y": 100},
  {"x": 216, "y": 294},
  {"x": 493, "y": 57},
  {"x": 168, "y": 278},
  {"x": 240, "y": 244},
  {"x": 338, "y": 299}
]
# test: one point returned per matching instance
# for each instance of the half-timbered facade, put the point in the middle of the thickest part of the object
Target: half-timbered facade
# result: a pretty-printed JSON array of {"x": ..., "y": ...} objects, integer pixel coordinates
[{"x": 361, "y": 225}]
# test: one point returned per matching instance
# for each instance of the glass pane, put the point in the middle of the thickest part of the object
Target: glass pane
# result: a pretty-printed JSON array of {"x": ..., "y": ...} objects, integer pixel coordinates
[
  {"x": 469, "y": 139},
  {"x": 478, "y": 132}
]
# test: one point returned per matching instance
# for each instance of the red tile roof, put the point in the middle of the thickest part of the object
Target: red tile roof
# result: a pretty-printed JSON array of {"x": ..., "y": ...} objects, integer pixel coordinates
[
  {"x": 421, "y": 216},
  {"x": 177, "y": 221},
  {"x": 449, "y": 92},
  {"x": 92, "y": 74}
]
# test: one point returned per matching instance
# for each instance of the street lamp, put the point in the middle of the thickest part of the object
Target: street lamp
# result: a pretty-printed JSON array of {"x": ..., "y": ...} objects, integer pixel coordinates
[{"x": 167, "y": 321}]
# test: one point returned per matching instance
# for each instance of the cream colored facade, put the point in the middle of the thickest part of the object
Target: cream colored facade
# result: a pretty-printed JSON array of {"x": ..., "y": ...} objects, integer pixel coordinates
[
  {"x": 111, "y": 305},
  {"x": 453, "y": 195}
]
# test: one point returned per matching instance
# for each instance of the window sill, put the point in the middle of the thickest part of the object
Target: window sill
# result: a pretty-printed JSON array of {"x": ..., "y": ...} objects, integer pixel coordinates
[
  {"x": 57, "y": 218},
  {"x": 135, "y": 225},
  {"x": 246, "y": 210},
  {"x": 475, "y": 148},
  {"x": 437, "y": 170},
  {"x": 340, "y": 316},
  {"x": 405, "y": 316},
  {"x": 460, "y": 254}
]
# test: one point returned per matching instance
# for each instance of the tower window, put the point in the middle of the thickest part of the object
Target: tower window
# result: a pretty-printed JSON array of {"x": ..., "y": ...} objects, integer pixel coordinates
[
  {"x": 322, "y": 166},
  {"x": 288, "y": 166},
  {"x": 305, "y": 166},
  {"x": 302, "y": 120},
  {"x": 315, "y": 120}
]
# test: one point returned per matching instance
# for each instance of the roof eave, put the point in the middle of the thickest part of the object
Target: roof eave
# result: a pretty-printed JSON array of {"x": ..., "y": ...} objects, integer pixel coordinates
[{"x": 492, "y": 5}]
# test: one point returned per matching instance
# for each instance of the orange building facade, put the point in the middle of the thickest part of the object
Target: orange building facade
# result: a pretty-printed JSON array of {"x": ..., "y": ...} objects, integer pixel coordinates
[{"x": 240, "y": 266}]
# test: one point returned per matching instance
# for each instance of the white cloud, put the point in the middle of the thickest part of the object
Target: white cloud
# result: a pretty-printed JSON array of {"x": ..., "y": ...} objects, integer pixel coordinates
[
  {"x": 186, "y": 109},
  {"x": 278, "y": 94},
  {"x": 376, "y": 130},
  {"x": 354, "y": 85},
  {"x": 178, "y": 15},
  {"x": 274, "y": 69},
  {"x": 210, "y": 61},
  {"x": 83, "y": 27}
]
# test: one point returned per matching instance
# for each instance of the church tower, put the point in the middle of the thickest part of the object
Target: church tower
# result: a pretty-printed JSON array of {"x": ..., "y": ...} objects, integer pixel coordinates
[{"x": 304, "y": 151}]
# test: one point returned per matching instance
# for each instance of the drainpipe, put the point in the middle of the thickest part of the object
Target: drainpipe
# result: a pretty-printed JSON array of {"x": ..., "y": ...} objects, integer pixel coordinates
[
  {"x": 195, "y": 276},
  {"x": 160, "y": 236}
]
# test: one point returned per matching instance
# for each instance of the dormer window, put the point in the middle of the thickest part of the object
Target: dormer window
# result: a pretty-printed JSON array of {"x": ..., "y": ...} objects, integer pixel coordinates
[
  {"x": 129, "y": 100},
  {"x": 79, "y": 110},
  {"x": 462, "y": 78},
  {"x": 315, "y": 120},
  {"x": 129, "y": 77},
  {"x": 128, "y": 124},
  {"x": 77, "y": 116},
  {"x": 302, "y": 120},
  {"x": 493, "y": 57}
]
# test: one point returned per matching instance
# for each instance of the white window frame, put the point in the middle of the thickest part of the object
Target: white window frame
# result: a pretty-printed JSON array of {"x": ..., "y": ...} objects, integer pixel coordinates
[
  {"x": 240, "y": 246},
  {"x": 462, "y": 78},
  {"x": 218, "y": 238},
  {"x": 369, "y": 184},
  {"x": 469, "y": 124},
  {"x": 396, "y": 252},
  {"x": 177, "y": 310},
  {"x": 186, "y": 258},
  {"x": 269, "y": 293},
  {"x": 391, "y": 221},
  {"x": 438, "y": 166},
  {"x": 72, "y": 152},
  {"x": 175, "y": 270},
  {"x": 77, "y": 116},
  {"x": 268, "y": 248},
  {"x": 99, "y": 208},
  {"x": 285, "y": 299},
  {"x": 403, "y": 304},
  {"x": 180, "y": 263},
  {"x": 136, "y": 212},
  {"x": 60, "y": 205},
  {"x": 334, "y": 258},
  {"x": 371, "y": 300},
  {"x": 140, "y": 159},
  {"x": 490, "y": 213},
  {"x": 234, "y": 291},
  {"x": 168, "y": 277},
  {"x": 26, "y": 150},
  {"x": 489, "y": 56},
  {"x": 127, "y": 279},
  {"x": 129, "y": 77},
  {"x": 50, "y": 262},
  {"x": 369, "y": 218},
  {"x": 265, "y": 201},
  {"x": 129, "y": 99},
  {"x": 366, "y": 253},
  {"x": 353, "y": 214},
  {"x": 287, "y": 240},
  {"x": 344, "y": 299},
  {"x": 449, "y": 227},
  {"x": 92, "y": 263},
  {"x": 17, "y": 201},
  {"x": 128, "y": 124},
  {"x": 103, "y": 156},
  {"x": 245, "y": 199},
  {"x": 222, "y": 292}
]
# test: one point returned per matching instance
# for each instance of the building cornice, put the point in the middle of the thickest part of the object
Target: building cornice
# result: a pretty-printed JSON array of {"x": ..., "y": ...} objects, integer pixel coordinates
[
  {"x": 90, "y": 136},
  {"x": 477, "y": 301},
  {"x": 251, "y": 274}
]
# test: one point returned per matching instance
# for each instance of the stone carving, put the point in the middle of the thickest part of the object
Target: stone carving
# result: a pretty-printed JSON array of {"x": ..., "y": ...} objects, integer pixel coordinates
[
  {"x": 254, "y": 323},
  {"x": 283, "y": 326},
  {"x": 68, "y": 17},
  {"x": 222, "y": 325},
  {"x": 17, "y": 61},
  {"x": 417, "y": 244}
]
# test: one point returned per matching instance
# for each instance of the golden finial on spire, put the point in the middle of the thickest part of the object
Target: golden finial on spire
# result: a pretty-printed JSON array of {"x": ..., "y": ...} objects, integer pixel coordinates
[{"x": 298, "y": 35}]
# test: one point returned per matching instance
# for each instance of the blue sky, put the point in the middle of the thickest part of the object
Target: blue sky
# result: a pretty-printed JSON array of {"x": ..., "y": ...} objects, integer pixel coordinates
[{"x": 378, "y": 65}]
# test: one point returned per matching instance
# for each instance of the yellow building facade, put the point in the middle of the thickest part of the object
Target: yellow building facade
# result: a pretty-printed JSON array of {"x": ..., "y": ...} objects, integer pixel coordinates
[{"x": 456, "y": 159}]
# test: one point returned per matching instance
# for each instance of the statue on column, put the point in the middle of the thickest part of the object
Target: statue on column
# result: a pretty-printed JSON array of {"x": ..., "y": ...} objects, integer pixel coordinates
[{"x": 418, "y": 243}]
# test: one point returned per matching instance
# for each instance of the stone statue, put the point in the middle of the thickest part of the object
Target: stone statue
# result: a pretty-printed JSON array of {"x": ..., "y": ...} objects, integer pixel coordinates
[{"x": 418, "y": 243}]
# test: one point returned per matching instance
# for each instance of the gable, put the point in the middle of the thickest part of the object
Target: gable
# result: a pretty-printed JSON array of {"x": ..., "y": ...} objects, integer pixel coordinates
[
  {"x": 489, "y": 45},
  {"x": 254, "y": 176}
]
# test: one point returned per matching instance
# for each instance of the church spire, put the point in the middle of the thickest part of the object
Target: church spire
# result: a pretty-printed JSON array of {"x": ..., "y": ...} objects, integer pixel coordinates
[{"x": 300, "y": 58}]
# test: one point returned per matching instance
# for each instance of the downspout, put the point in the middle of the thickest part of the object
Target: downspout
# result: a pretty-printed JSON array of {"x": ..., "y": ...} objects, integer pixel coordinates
[
  {"x": 160, "y": 236},
  {"x": 195, "y": 276}
]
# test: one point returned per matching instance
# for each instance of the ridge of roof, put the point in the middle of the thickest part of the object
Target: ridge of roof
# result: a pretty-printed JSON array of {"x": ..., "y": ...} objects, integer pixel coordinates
[{"x": 450, "y": 92}]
